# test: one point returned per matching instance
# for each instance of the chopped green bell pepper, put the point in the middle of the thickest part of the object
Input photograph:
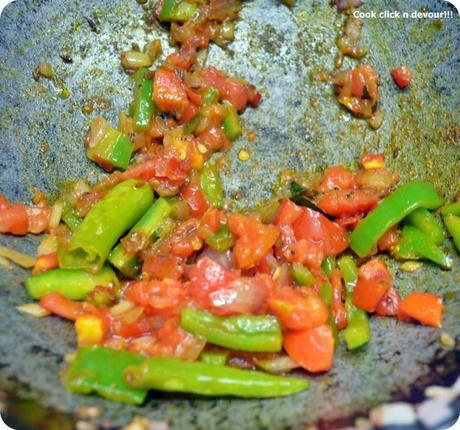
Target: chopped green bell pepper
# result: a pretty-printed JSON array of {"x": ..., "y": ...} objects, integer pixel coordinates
[
  {"x": 245, "y": 332},
  {"x": 451, "y": 209},
  {"x": 101, "y": 370},
  {"x": 70, "y": 217},
  {"x": 143, "y": 106},
  {"x": 211, "y": 184},
  {"x": 218, "y": 358},
  {"x": 328, "y": 265},
  {"x": 231, "y": 123},
  {"x": 210, "y": 96},
  {"x": 222, "y": 240},
  {"x": 390, "y": 211},
  {"x": 424, "y": 220},
  {"x": 182, "y": 11},
  {"x": 302, "y": 275},
  {"x": 170, "y": 374},
  {"x": 452, "y": 223}
]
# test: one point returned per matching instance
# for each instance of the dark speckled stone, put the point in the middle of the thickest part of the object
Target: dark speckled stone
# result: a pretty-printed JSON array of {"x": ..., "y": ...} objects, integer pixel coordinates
[{"x": 276, "y": 48}]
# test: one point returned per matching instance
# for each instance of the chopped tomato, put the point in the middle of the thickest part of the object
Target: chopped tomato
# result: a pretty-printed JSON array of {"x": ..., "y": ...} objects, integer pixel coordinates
[
  {"x": 423, "y": 307},
  {"x": 389, "y": 304},
  {"x": 39, "y": 219},
  {"x": 45, "y": 262},
  {"x": 195, "y": 199},
  {"x": 161, "y": 266},
  {"x": 313, "y": 348},
  {"x": 315, "y": 227},
  {"x": 347, "y": 203},
  {"x": 338, "y": 308},
  {"x": 141, "y": 326},
  {"x": 375, "y": 269},
  {"x": 372, "y": 161},
  {"x": 69, "y": 309},
  {"x": 210, "y": 223},
  {"x": 299, "y": 308},
  {"x": 389, "y": 240},
  {"x": 307, "y": 252},
  {"x": 402, "y": 76},
  {"x": 337, "y": 177},
  {"x": 287, "y": 213},
  {"x": 214, "y": 138},
  {"x": 255, "y": 240},
  {"x": 14, "y": 220},
  {"x": 159, "y": 298}
]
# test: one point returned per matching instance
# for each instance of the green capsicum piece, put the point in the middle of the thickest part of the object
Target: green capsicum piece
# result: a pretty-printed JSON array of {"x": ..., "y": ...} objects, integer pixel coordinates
[
  {"x": 414, "y": 244},
  {"x": 211, "y": 184},
  {"x": 451, "y": 209},
  {"x": 390, "y": 211},
  {"x": 182, "y": 11},
  {"x": 210, "y": 96},
  {"x": 73, "y": 284},
  {"x": 113, "y": 150},
  {"x": 231, "y": 122},
  {"x": 302, "y": 275},
  {"x": 424, "y": 220},
  {"x": 170, "y": 374},
  {"x": 101, "y": 370},
  {"x": 218, "y": 358},
  {"x": 452, "y": 223},
  {"x": 358, "y": 331},
  {"x": 327, "y": 295},
  {"x": 70, "y": 217},
  {"x": 222, "y": 240},
  {"x": 143, "y": 106},
  {"x": 128, "y": 264},
  {"x": 328, "y": 265},
  {"x": 243, "y": 332},
  {"x": 107, "y": 220}
]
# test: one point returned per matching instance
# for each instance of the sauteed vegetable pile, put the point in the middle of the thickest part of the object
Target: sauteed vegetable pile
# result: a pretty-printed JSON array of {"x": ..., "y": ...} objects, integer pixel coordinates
[{"x": 176, "y": 289}]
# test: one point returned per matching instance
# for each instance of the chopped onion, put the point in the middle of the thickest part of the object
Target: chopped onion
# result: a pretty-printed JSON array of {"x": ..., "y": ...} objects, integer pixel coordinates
[
  {"x": 56, "y": 214},
  {"x": 19, "y": 258},
  {"x": 222, "y": 258},
  {"x": 4, "y": 262},
  {"x": 33, "y": 309},
  {"x": 153, "y": 49},
  {"x": 132, "y": 315},
  {"x": 45, "y": 69},
  {"x": 135, "y": 59},
  {"x": 48, "y": 245},
  {"x": 141, "y": 344},
  {"x": 121, "y": 307},
  {"x": 278, "y": 364},
  {"x": 97, "y": 129}
]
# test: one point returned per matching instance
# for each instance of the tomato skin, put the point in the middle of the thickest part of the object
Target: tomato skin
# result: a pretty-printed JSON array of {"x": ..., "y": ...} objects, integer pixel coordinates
[
  {"x": 69, "y": 309},
  {"x": 298, "y": 309},
  {"x": 402, "y": 76},
  {"x": 337, "y": 177},
  {"x": 388, "y": 306},
  {"x": 14, "y": 220},
  {"x": 161, "y": 266},
  {"x": 142, "y": 326},
  {"x": 255, "y": 240},
  {"x": 195, "y": 199},
  {"x": 423, "y": 307},
  {"x": 45, "y": 262},
  {"x": 338, "y": 307},
  {"x": 313, "y": 348},
  {"x": 313, "y": 226},
  {"x": 341, "y": 203},
  {"x": 287, "y": 213},
  {"x": 308, "y": 252}
]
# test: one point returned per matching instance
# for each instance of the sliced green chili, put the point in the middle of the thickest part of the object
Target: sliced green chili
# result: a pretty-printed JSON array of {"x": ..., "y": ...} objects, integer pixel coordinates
[
  {"x": 143, "y": 106},
  {"x": 452, "y": 223},
  {"x": 451, "y": 209},
  {"x": 245, "y": 332},
  {"x": 107, "y": 220},
  {"x": 101, "y": 370},
  {"x": 170, "y": 374},
  {"x": 328, "y": 265},
  {"x": 73, "y": 284},
  {"x": 210, "y": 96},
  {"x": 218, "y": 358},
  {"x": 302, "y": 275},
  {"x": 390, "y": 211},
  {"x": 70, "y": 217},
  {"x": 231, "y": 123},
  {"x": 222, "y": 240},
  {"x": 211, "y": 184},
  {"x": 424, "y": 220}
]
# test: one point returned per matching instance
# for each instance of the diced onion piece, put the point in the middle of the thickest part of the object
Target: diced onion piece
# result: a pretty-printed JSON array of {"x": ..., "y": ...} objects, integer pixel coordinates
[
  {"x": 121, "y": 307},
  {"x": 48, "y": 245},
  {"x": 56, "y": 214},
  {"x": 33, "y": 309},
  {"x": 135, "y": 59},
  {"x": 153, "y": 49},
  {"x": 132, "y": 315},
  {"x": 19, "y": 258},
  {"x": 45, "y": 69},
  {"x": 376, "y": 119},
  {"x": 5, "y": 263},
  {"x": 97, "y": 130},
  {"x": 279, "y": 364}
]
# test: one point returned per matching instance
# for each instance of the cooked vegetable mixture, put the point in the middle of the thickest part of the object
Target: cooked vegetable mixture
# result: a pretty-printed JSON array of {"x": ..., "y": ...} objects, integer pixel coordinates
[{"x": 178, "y": 292}]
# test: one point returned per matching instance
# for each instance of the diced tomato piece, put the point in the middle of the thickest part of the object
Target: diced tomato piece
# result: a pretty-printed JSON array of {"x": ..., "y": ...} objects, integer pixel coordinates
[
  {"x": 159, "y": 298},
  {"x": 236, "y": 94},
  {"x": 313, "y": 226},
  {"x": 255, "y": 240},
  {"x": 287, "y": 213},
  {"x": 14, "y": 220},
  {"x": 298, "y": 309},
  {"x": 140, "y": 327},
  {"x": 214, "y": 138},
  {"x": 39, "y": 219},
  {"x": 349, "y": 222},
  {"x": 423, "y": 307},
  {"x": 45, "y": 262},
  {"x": 368, "y": 293},
  {"x": 358, "y": 83},
  {"x": 402, "y": 76},
  {"x": 389, "y": 304},
  {"x": 188, "y": 113},
  {"x": 183, "y": 59},
  {"x": 340, "y": 203},
  {"x": 308, "y": 252},
  {"x": 375, "y": 269},
  {"x": 194, "y": 97},
  {"x": 195, "y": 199},
  {"x": 389, "y": 240},
  {"x": 313, "y": 348},
  {"x": 372, "y": 161},
  {"x": 337, "y": 178},
  {"x": 69, "y": 309},
  {"x": 210, "y": 223},
  {"x": 161, "y": 266}
]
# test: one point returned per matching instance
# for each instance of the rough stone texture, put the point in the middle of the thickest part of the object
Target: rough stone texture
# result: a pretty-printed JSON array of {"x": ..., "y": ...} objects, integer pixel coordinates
[{"x": 299, "y": 126}]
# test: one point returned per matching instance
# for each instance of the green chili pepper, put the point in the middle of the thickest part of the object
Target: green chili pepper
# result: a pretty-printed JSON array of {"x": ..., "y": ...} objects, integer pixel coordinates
[
  {"x": 222, "y": 240},
  {"x": 327, "y": 295},
  {"x": 244, "y": 332},
  {"x": 73, "y": 284},
  {"x": 211, "y": 184},
  {"x": 191, "y": 126},
  {"x": 182, "y": 11},
  {"x": 358, "y": 332},
  {"x": 414, "y": 244},
  {"x": 167, "y": 10},
  {"x": 128, "y": 264},
  {"x": 70, "y": 217},
  {"x": 218, "y": 358},
  {"x": 390, "y": 211},
  {"x": 210, "y": 96},
  {"x": 451, "y": 209},
  {"x": 101, "y": 370},
  {"x": 452, "y": 223},
  {"x": 231, "y": 123},
  {"x": 328, "y": 265},
  {"x": 424, "y": 220},
  {"x": 113, "y": 150},
  {"x": 170, "y": 374},
  {"x": 107, "y": 220},
  {"x": 302, "y": 275},
  {"x": 143, "y": 106}
]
